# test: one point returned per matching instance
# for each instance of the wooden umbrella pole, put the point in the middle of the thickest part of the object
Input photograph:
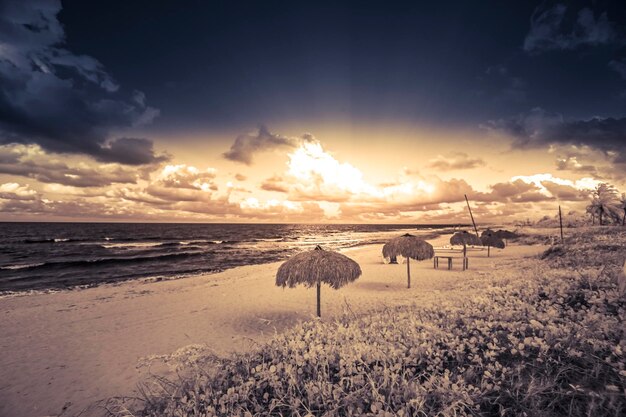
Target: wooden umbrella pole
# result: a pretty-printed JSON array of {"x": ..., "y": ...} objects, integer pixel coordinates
[
  {"x": 471, "y": 215},
  {"x": 408, "y": 272},
  {"x": 319, "y": 299}
]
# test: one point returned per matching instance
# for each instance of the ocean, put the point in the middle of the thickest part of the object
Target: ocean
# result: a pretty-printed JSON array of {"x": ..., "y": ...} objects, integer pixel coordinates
[{"x": 44, "y": 256}]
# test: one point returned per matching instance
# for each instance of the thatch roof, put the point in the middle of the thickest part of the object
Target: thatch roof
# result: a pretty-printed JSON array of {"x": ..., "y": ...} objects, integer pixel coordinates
[
  {"x": 408, "y": 246},
  {"x": 487, "y": 232},
  {"x": 465, "y": 238},
  {"x": 490, "y": 239},
  {"x": 505, "y": 234},
  {"x": 318, "y": 265}
]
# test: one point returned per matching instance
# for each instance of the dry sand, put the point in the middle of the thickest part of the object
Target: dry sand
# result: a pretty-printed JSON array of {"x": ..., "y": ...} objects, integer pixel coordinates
[{"x": 60, "y": 352}]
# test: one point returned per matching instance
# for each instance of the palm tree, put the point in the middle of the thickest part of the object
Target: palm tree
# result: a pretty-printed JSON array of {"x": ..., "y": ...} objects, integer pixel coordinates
[
  {"x": 592, "y": 210},
  {"x": 604, "y": 201}
]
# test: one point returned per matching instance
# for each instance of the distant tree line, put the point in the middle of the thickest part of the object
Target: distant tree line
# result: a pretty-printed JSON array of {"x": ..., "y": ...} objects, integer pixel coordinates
[{"x": 607, "y": 206}]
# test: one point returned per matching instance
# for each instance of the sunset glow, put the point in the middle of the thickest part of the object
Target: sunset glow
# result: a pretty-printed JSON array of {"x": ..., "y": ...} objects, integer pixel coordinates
[
  {"x": 104, "y": 145},
  {"x": 312, "y": 208}
]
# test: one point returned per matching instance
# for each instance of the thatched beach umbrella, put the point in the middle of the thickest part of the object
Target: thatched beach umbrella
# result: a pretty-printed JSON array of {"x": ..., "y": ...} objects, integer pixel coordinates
[
  {"x": 505, "y": 235},
  {"x": 316, "y": 266},
  {"x": 490, "y": 239},
  {"x": 464, "y": 238},
  {"x": 408, "y": 246}
]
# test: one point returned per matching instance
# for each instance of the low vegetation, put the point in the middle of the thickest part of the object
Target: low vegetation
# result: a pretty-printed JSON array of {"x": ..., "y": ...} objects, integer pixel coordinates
[{"x": 544, "y": 340}]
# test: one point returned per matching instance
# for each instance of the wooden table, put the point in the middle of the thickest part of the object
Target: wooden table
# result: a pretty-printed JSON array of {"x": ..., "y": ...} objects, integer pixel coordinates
[{"x": 449, "y": 258}]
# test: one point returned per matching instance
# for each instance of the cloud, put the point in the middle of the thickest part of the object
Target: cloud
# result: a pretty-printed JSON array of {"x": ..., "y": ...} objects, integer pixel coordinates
[
  {"x": 315, "y": 175},
  {"x": 539, "y": 128},
  {"x": 315, "y": 186},
  {"x": 61, "y": 101},
  {"x": 292, "y": 211},
  {"x": 565, "y": 191},
  {"x": 410, "y": 171},
  {"x": 554, "y": 29},
  {"x": 528, "y": 128},
  {"x": 383, "y": 211},
  {"x": 598, "y": 163},
  {"x": 33, "y": 162},
  {"x": 20, "y": 202},
  {"x": 275, "y": 183},
  {"x": 446, "y": 202},
  {"x": 571, "y": 163},
  {"x": 15, "y": 191},
  {"x": 130, "y": 151},
  {"x": 546, "y": 187},
  {"x": 175, "y": 192},
  {"x": 186, "y": 189},
  {"x": 177, "y": 183},
  {"x": 240, "y": 177},
  {"x": 246, "y": 146},
  {"x": 455, "y": 161},
  {"x": 517, "y": 191}
]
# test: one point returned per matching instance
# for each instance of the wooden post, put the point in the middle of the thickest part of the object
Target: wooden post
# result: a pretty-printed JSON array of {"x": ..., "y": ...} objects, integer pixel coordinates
[
  {"x": 464, "y": 255},
  {"x": 319, "y": 299},
  {"x": 488, "y": 251},
  {"x": 471, "y": 215},
  {"x": 408, "y": 272},
  {"x": 561, "y": 223}
]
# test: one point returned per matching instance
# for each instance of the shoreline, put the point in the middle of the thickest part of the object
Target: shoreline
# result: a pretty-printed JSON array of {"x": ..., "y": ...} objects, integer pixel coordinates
[
  {"x": 71, "y": 348},
  {"x": 426, "y": 234}
]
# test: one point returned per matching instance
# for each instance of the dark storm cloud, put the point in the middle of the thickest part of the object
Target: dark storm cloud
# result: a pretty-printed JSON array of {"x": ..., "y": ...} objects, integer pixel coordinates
[
  {"x": 539, "y": 127},
  {"x": 557, "y": 27},
  {"x": 64, "y": 102},
  {"x": 246, "y": 146},
  {"x": 130, "y": 151}
]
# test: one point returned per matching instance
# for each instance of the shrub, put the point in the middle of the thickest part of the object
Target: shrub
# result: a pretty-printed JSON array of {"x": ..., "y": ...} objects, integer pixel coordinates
[{"x": 547, "y": 343}]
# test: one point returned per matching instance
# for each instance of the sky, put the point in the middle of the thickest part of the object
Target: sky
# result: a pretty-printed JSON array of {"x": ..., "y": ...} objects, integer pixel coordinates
[{"x": 283, "y": 111}]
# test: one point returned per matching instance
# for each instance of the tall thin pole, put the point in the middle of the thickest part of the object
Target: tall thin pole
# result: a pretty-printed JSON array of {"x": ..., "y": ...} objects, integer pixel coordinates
[
  {"x": 561, "y": 223},
  {"x": 319, "y": 299},
  {"x": 408, "y": 272},
  {"x": 471, "y": 215}
]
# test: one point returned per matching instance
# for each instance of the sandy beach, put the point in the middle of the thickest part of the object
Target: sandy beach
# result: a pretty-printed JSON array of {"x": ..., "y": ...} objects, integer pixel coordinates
[{"x": 63, "y": 351}]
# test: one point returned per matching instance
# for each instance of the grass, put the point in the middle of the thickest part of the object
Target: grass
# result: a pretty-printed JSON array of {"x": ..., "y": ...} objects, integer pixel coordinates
[{"x": 547, "y": 340}]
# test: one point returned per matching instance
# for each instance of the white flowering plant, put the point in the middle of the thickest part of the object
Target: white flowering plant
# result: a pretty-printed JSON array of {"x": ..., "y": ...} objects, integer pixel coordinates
[{"x": 547, "y": 340}]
